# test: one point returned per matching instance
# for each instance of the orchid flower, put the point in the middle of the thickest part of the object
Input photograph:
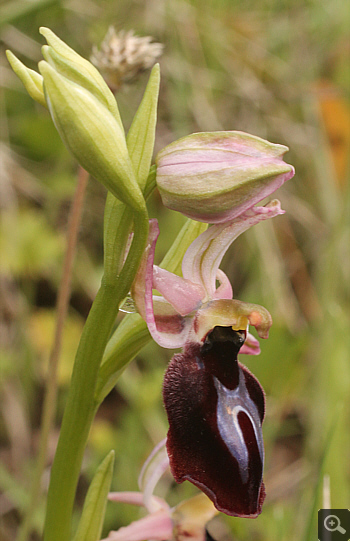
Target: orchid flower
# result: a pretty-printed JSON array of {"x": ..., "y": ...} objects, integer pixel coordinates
[
  {"x": 186, "y": 521},
  {"x": 215, "y": 406},
  {"x": 185, "y": 300}
]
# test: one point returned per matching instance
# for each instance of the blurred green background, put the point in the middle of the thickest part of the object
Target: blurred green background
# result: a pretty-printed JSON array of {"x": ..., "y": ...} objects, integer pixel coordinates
[{"x": 279, "y": 69}]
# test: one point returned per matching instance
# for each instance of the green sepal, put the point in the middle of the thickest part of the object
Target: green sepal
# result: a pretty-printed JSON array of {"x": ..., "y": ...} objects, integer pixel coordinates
[
  {"x": 32, "y": 81},
  {"x": 79, "y": 70},
  {"x": 141, "y": 135},
  {"x": 91, "y": 520}
]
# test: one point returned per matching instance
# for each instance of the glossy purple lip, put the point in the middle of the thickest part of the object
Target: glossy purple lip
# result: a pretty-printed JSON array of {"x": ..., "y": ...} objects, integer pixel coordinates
[{"x": 215, "y": 408}]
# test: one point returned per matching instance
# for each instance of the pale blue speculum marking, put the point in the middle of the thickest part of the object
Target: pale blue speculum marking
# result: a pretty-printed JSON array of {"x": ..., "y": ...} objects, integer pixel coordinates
[{"x": 230, "y": 403}]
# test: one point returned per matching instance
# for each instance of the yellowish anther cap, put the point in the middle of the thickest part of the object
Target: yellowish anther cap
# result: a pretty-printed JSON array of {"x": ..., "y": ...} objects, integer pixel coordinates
[
  {"x": 231, "y": 313},
  {"x": 241, "y": 324}
]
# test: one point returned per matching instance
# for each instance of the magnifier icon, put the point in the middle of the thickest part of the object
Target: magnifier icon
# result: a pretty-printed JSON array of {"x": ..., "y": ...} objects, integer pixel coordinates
[{"x": 332, "y": 524}]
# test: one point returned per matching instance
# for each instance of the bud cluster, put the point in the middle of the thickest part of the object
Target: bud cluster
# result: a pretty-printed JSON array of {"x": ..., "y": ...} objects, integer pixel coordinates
[{"x": 85, "y": 114}]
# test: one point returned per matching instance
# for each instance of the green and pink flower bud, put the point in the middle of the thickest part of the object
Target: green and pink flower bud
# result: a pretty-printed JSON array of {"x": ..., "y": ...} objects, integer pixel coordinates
[{"x": 214, "y": 177}]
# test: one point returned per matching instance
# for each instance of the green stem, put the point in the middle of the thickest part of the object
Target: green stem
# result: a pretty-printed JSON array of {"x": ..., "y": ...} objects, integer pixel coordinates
[
  {"x": 49, "y": 407},
  {"x": 81, "y": 405},
  {"x": 127, "y": 341}
]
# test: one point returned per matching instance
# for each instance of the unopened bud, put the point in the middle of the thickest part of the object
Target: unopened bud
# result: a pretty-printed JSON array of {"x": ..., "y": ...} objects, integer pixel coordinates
[
  {"x": 214, "y": 177},
  {"x": 78, "y": 70},
  {"x": 92, "y": 134}
]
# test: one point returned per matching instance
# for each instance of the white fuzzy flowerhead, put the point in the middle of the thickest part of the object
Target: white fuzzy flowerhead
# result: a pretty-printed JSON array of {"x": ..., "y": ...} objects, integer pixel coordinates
[{"x": 122, "y": 56}]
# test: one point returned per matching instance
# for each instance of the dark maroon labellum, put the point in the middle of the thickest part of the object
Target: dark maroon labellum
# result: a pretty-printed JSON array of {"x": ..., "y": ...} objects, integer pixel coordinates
[{"x": 215, "y": 408}]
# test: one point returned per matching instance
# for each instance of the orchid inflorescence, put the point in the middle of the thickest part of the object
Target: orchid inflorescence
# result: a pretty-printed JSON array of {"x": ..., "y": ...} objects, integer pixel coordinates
[{"x": 215, "y": 406}]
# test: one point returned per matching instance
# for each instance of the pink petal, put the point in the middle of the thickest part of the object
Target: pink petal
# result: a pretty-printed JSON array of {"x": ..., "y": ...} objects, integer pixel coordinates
[
  {"x": 183, "y": 295},
  {"x": 251, "y": 346},
  {"x": 203, "y": 257},
  {"x": 169, "y": 321},
  {"x": 157, "y": 526},
  {"x": 224, "y": 291}
]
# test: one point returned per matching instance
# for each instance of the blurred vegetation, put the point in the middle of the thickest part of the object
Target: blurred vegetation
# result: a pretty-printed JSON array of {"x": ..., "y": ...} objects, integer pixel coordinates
[{"x": 277, "y": 69}]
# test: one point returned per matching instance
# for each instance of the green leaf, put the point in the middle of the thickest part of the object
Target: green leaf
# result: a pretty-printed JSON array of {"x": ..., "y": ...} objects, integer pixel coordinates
[
  {"x": 118, "y": 219},
  {"x": 140, "y": 142},
  {"x": 140, "y": 139},
  {"x": 91, "y": 521}
]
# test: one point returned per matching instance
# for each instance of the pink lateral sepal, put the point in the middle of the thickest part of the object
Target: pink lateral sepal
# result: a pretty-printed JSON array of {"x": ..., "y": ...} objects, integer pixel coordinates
[{"x": 166, "y": 326}]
